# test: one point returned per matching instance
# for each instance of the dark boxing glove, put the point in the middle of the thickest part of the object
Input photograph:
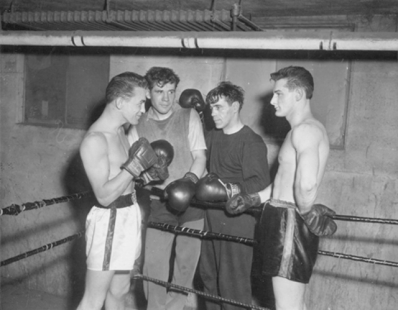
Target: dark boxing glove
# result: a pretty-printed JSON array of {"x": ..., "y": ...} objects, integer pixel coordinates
[
  {"x": 179, "y": 193},
  {"x": 192, "y": 98},
  {"x": 141, "y": 157},
  {"x": 241, "y": 202},
  {"x": 159, "y": 171},
  {"x": 319, "y": 220},
  {"x": 211, "y": 188}
]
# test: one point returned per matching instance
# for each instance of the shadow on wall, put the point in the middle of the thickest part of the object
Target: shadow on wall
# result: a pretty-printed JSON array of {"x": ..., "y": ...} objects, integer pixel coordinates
[
  {"x": 273, "y": 128},
  {"x": 76, "y": 181}
]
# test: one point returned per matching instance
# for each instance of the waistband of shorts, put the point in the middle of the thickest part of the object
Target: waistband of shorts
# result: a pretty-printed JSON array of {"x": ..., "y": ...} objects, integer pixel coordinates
[
  {"x": 281, "y": 203},
  {"x": 121, "y": 202}
]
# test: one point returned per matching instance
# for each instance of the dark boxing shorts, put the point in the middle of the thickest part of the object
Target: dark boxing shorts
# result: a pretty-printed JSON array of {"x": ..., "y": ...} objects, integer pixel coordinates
[{"x": 289, "y": 249}]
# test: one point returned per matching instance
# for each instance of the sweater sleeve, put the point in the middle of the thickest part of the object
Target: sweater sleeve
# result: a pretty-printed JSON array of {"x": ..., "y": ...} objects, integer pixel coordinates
[{"x": 255, "y": 168}]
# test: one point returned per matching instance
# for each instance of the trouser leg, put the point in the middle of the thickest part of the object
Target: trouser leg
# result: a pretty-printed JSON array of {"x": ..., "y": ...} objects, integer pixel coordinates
[
  {"x": 158, "y": 246},
  {"x": 187, "y": 252}
]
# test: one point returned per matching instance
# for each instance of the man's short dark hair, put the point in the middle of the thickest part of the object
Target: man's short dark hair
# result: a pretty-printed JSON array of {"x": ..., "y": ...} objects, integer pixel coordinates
[
  {"x": 296, "y": 77},
  {"x": 123, "y": 85},
  {"x": 160, "y": 76},
  {"x": 228, "y": 91}
]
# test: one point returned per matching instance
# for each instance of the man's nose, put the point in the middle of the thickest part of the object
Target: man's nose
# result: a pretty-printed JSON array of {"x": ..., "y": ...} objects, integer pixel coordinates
[
  {"x": 273, "y": 100},
  {"x": 142, "y": 107},
  {"x": 165, "y": 97}
]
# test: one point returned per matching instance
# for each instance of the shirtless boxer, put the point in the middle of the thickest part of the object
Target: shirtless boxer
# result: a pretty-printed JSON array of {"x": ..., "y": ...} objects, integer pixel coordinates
[
  {"x": 113, "y": 225},
  {"x": 291, "y": 223}
]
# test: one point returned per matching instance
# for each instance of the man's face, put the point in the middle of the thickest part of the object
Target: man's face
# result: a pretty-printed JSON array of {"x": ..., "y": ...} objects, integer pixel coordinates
[
  {"x": 162, "y": 98},
  {"x": 283, "y": 98},
  {"x": 134, "y": 107},
  {"x": 222, "y": 113}
]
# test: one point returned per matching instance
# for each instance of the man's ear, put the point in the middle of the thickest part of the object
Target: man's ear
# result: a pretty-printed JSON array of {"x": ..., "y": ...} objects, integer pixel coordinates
[
  {"x": 299, "y": 93},
  {"x": 148, "y": 94},
  {"x": 236, "y": 106},
  {"x": 118, "y": 103}
]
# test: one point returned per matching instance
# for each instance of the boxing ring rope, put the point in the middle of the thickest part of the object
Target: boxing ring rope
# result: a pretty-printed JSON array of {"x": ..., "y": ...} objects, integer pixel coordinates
[
  {"x": 41, "y": 249},
  {"x": 197, "y": 233},
  {"x": 15, "y": 209},
  {"x": 248, "y": 241},
  {"x": 200, "y": 233},
  {"x": 189, "y": 290},
  {"x": 338, "y": 217}
]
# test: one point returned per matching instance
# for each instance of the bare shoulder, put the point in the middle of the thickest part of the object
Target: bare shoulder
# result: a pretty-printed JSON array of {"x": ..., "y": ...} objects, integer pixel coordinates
[
  {"x": 93, "y": 140},
  {"x": 309, "y": 132}
]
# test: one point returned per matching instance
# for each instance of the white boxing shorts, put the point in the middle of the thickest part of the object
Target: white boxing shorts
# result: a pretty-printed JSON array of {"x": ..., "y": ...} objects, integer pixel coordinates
[{"x": 113, "y": 236}]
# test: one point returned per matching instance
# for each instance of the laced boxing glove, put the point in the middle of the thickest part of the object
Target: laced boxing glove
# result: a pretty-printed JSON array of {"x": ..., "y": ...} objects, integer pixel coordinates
[
  {"x": 159, "y": 171},
  {"x": 241, "y": 202},
  {"x": 192, "y": 98},
  {"x": 179, "y": 193},
  {"x": 141, "y": 157},
  {"x": 319, "y": 220},
  {"x": 211, "y": 188}
]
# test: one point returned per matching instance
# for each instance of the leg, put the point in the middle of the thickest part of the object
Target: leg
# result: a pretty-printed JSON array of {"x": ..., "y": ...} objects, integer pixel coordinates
[
  {"x": 186, "y": 260},
  {"x": 96, "y": 289},
  {"x": 120, "y": 285},
  {"x": 235, "y": 273},
  {"x": 289, "y": 295},
  {"x": 156, "y": 265},
  {"x": 209, "y": 272}
]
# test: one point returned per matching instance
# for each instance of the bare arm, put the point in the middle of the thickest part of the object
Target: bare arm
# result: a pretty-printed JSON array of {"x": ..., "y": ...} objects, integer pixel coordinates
[
  {"x": 94, "y": 154},
  {"x": 306, "y": 140},
  {"x": 199, "y": 163},
  {"x": 266, "y": 193}
]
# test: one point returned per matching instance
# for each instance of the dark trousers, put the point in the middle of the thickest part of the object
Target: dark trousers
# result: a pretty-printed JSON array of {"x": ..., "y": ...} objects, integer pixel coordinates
[{"x": 225, "y": 268}]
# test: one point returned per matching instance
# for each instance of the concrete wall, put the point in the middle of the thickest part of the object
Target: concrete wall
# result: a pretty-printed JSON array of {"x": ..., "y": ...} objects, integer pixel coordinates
[
  {"x": 361, "y": 179},
  {"x": 38, "y": 163}
]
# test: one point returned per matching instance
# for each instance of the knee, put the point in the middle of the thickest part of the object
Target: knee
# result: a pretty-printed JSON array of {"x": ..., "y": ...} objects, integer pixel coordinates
[
  {"x": 281, "y": 305},
  {"x": 119, "y": 292},
  {"x": 91, "y": 303}
]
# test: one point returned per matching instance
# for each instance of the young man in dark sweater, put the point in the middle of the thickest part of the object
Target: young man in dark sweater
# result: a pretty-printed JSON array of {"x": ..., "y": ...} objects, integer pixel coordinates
[{"x": 237, "y": 162}]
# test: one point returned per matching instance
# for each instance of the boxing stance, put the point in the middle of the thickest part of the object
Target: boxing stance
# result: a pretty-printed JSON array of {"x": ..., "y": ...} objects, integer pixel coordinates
[
  {"x": 113, "y": 224},
  {"x": 290, "y": 221},
  {"x": 237, "y": 161},
  {"x": 181, "y": 126}
]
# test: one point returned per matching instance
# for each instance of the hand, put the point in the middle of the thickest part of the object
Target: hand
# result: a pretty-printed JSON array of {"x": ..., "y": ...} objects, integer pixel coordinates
[
  {"x": 180, "y": 192},
  {"x": 211, "y": 188},
  {"x": 141, "y": 157},
  {"x": 159, "y": 171},
  {"x": 192, "y": 98},
  {"x": 319, "y": 220},
  {"x": 241, "y": 202}
]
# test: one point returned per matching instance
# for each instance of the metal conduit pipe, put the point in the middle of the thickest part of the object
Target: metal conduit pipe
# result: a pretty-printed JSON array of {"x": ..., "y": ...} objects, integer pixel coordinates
[{"x": 265, "y": 40}]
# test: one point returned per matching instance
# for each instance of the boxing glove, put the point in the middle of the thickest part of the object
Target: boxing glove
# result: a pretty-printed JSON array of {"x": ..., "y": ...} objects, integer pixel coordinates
[
  {"x": 179, "y": 193},
  {"x": 211, "y": 188},
  {"x": 241, "y": 202},
  {"x": 192, "y": 98},
  {"x": 159, "y": 171},
  {"x": 141, "y": 157},
  {"x": 319, "y": 220}
]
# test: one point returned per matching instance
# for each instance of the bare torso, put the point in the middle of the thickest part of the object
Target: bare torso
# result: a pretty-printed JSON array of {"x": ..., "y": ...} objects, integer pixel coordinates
[
  {"x": 114, "y": 146},
  {"x": 283, "y": 187}
]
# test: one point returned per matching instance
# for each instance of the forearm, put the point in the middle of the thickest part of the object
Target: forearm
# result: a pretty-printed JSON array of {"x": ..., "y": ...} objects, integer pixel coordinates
[
  {"x": 199, "y": 164},
  {"x": 113, "y": 188},
  {"x": 305, "y": 197},
  {"x": 265, "y": 194}
]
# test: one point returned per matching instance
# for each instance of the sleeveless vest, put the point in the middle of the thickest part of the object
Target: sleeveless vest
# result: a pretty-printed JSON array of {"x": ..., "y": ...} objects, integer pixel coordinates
[{"x": 175, "y": 130}]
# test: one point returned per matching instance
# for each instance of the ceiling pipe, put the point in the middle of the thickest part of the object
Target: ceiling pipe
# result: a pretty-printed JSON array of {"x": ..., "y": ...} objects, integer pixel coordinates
[{"x": 265, "y": 40}]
